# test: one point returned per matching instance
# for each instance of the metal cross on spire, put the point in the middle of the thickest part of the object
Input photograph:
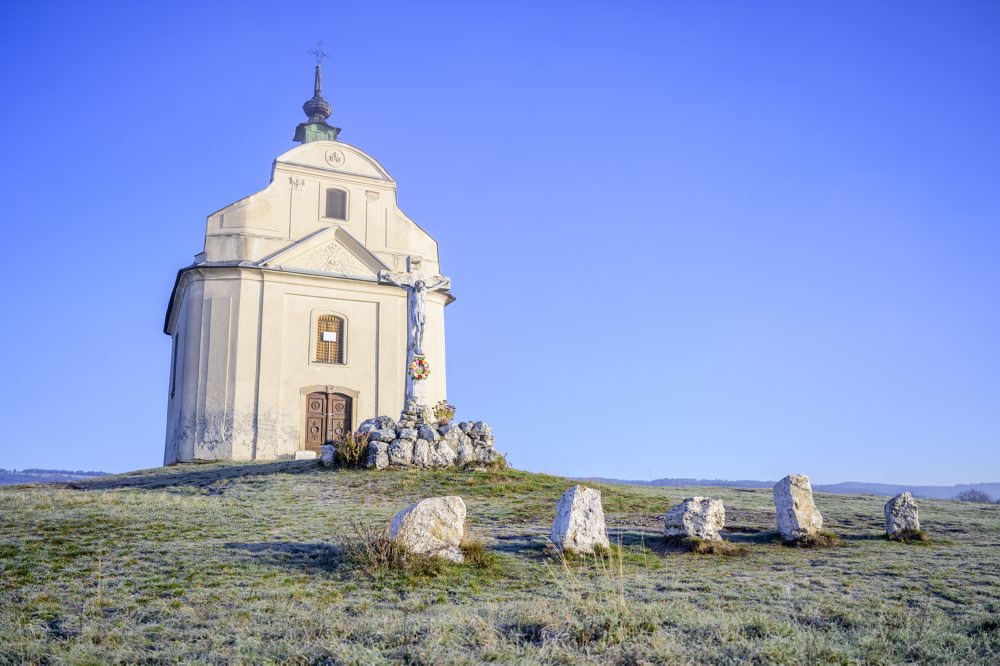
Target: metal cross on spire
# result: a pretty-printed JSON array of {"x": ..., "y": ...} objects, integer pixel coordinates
[{"x": 319, "y": 53}]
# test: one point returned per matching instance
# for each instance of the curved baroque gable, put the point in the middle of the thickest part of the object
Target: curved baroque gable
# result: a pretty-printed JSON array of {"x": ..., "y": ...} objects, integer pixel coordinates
[{"x": 335, "y": 156}]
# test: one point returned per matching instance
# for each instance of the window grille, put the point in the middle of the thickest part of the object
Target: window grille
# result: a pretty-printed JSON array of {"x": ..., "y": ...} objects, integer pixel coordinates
[
  {"x": 336, "y": 204},
  {"x": 330, "y": 348}
]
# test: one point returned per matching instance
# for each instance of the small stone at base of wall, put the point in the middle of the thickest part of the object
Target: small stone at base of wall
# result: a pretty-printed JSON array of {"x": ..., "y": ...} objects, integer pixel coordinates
[{"x": 306, "y": 455}]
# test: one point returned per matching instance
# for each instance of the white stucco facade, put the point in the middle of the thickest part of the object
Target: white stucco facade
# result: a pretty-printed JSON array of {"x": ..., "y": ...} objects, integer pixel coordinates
[{"x": 243, "y": 317}]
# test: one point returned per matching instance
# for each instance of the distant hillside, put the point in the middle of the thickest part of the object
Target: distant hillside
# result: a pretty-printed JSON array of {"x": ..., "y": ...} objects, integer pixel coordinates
[
  {"x": 677, "y": 483},
  {"x": 935, "y": 492},
  {"x": 844, "y": 488},
  {"x": 11, "y": 476}
]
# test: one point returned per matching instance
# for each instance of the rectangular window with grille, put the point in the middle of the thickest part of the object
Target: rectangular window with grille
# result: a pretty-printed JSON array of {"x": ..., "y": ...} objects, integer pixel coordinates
[
  {"x": 330, "y": 339},
  {"x": 336, "y": 204}
]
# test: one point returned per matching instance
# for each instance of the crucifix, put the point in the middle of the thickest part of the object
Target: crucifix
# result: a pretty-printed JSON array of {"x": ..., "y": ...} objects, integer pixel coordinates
[
  {"x": 319, "y": 53},
  {"x": 318, "y": 79},
  {"x": 416, "y": 283}
]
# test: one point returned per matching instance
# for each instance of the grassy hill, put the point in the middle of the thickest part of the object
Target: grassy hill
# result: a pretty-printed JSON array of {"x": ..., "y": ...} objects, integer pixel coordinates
[{"x": 244, "y": 563}]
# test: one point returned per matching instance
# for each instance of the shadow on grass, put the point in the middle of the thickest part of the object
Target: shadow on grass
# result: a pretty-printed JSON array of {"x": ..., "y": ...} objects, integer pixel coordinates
[
  {"x": 864, "y": 537},
  {"x": 746, "y": 537},
  {"x": 194, "y": 474},
  {"x": 531, "y": 545},
  {"x": 306, "y": 557}
]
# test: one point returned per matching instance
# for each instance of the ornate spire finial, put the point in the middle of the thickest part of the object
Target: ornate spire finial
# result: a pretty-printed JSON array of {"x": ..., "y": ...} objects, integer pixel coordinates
[
  {"x": 317, "y": 109},
  {"x": 320, "y": 56}
]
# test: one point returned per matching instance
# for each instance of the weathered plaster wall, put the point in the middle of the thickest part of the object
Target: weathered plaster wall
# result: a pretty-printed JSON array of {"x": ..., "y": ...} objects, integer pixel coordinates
[{"x": 231, "y": 402}]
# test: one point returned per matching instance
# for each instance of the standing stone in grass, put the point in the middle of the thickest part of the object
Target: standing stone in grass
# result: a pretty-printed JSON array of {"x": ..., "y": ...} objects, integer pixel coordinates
[
  {"x": 901, "y": 515},
  {"x": 327, "y": 452},
  {"x": 793, "y": 503},
  {"x": 699, "y": 517},
  {"x": 579, "y": 524},
  {"x": 433, "y": 526}
]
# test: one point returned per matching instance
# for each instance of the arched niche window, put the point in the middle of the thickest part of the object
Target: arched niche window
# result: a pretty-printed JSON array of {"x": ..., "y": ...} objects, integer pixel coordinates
[
  {"x": 336, "y": 204},
  {"x": 330, "y": 339}
]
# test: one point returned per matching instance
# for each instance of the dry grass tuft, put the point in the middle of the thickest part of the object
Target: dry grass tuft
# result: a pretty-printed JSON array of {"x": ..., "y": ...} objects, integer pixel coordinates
[
  {"x": 498, "y": 465},
  {"x": 910, "y": 536},
  {"x": 350, "y": 451},
  {"x": 569, "y": 556},
  {"x": 475, "y": 553},
  {"x": 706, "y": 546},
  {"x": 370, "y": 549},
  {"x": 822, "y": 539}
]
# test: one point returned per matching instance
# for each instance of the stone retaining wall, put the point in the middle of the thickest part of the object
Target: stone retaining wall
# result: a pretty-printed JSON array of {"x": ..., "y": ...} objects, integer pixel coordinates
[{"x": 412, "y": 443}]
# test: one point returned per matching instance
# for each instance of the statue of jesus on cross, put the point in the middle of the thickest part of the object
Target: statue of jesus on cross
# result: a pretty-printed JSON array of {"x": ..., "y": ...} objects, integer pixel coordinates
[{"x": 417, "y": 284}]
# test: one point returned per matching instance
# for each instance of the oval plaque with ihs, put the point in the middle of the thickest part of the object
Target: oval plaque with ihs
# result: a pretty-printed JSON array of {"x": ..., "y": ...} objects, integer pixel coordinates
[{"x": 335, "y": 158}]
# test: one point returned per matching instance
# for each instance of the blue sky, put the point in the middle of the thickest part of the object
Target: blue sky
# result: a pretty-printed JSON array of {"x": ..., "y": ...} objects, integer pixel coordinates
[{"x": 715, "y": 240}]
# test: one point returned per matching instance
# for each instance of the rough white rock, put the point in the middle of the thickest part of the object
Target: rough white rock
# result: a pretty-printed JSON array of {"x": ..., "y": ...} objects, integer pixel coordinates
[
  {"x": 425, "y": 431},
  {"x": 700, "y": 517},
  {"x": 797, "y": 515},
  {"x": 480, "y": 430},
  {"x": 488, "y": 456},
  {"x": 422, "y": 453},
  {"x": 408, "y": 433},
  {"x": 388, "y": 435},
  {"x": 378, "y": 455},
  {"x": 901, "y": 514},
  {"x": 377, "y": 423},
  {"x": 327, "y": 452},
  {"x": 433, "y": 526},
  {"x": 579, "y": 524},
  {"x": 400, "y": 453},
  {"x": 305, "y": 455},
  {"x": 442, "y": 455},
  {"x": 464, "y": 454}
]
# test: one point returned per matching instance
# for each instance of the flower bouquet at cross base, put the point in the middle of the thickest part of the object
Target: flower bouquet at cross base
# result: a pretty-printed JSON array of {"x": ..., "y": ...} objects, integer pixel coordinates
[
  {"x": 419, "y": 369},
  {"x": 444, "y": 412}
]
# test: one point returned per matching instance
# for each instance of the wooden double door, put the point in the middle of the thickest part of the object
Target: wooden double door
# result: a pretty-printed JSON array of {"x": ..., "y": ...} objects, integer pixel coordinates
[{"x": 328, "y": 418}]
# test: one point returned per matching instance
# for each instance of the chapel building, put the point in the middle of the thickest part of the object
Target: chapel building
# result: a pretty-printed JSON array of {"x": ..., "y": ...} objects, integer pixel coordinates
[{"x": 288, "y": 329}]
